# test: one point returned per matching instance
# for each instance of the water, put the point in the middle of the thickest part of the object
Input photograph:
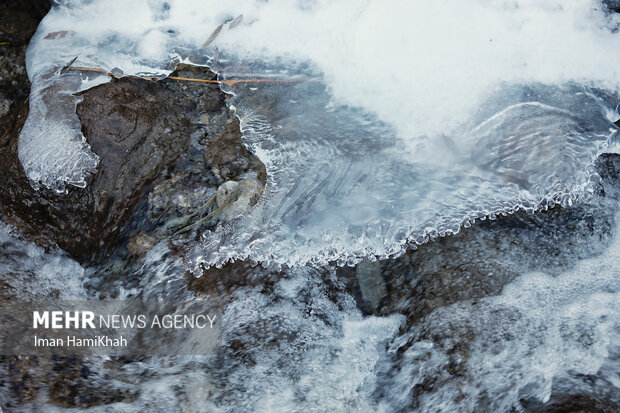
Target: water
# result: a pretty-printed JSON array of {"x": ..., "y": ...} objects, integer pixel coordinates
[
  {"x": 31, "y": 273},
  {"x": 342, "y": 187},
  {"x": 385, "y": 138},
  {"x": 295, "y": 341},
  {"x": 540, "y": 330},
  {"x": 383, "y": 125}
]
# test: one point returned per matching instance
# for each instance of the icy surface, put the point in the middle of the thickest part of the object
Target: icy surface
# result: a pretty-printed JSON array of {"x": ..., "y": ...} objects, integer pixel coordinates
[
  {"x": 51, "y": 148},
  {"x": 399, "y": 120}
]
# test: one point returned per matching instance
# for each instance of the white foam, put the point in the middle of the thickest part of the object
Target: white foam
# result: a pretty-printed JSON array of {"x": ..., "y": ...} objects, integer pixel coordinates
[
  {"x": 540, "y": 329},
  {"x": 34, "y": 274},
  {"x": 424, "y": 66}
]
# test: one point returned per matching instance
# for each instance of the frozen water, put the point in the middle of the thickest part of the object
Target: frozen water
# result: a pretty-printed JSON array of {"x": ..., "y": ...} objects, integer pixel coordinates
[
  {"x": 51, "y": 148},
  {"x": 412, "y": 118},
  {"x": 402, "y": 121},
  {"x": 340, "y": 185}
]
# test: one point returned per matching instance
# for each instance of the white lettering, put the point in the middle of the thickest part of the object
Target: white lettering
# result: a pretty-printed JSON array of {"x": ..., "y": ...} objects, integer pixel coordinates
[
  {"x": 56, "y": 319},
  {"x": 38, "y": 319}
]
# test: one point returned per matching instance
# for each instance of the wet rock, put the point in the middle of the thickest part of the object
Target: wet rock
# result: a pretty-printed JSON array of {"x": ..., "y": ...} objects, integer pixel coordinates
[
  {"x": 68, "y": 382},
  {"x": 4, "y": 106},
  {"x": 371, "y": 285},
  {"x": 479, "y": 261},
  {"x": 231, "y": 200},
  {"x": 227, "y": 158},
  {"x": 612, "y": 5},
  {"x": 222, "y": 282},
  {"x": 18, "y": 380},
  {"x": 440, "y": 286},
  {"x": 576, "y": 403},
  {"x": 141, "y": 243},
  {"x": 235, "y": 198},
  {"x": 577, "y": 393},
  {"x": 164, "y": 146},
  {"x": 18, "y": 22},
  {"x": 175, "y": 196}
]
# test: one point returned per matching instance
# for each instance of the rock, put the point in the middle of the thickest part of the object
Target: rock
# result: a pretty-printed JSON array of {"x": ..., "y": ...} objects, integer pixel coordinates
[
  {"x": 74, "y": 384},
  {"x": 17, "y": 25},
  {"x": 577, "y": 393},
  {"x": 219, "y": 284},
  {"x": 236, "y": 198},
  {"x": 176, "y": 197},
  {"x": 231, "y": 200},
  {"x": 68, "y": 381},
  {"x": 4, "y": 106},
  {"x": 612, "y": 5},
  {"x": 478, "y": 261},
  {"x": 159, "y": 143},
  {"x": 141, "y": 243},
  {"x": 17, "y": 381},
  {"x": 371, "y": 284},
  {"x": 439, "y": 288},
  {"x": 225, "y": 191}
]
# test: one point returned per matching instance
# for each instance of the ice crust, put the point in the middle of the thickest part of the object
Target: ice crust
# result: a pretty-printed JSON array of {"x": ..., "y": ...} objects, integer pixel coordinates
[{"x": 408, "y": 120}]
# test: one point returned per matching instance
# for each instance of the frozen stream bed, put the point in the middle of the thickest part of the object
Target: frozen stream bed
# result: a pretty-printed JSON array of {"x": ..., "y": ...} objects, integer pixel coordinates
[{"x": 437, "y": 226}]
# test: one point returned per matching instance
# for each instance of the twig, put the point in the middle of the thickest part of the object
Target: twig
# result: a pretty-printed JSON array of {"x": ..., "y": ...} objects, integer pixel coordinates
[
  {"x": 189, "y": 79},
  {"x": 88, "y": 69},
  {"x": 231, "y": 82}
]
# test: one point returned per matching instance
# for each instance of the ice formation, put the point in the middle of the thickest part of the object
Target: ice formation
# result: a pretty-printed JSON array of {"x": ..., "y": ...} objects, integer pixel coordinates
[{"x": 399, "y": 120}]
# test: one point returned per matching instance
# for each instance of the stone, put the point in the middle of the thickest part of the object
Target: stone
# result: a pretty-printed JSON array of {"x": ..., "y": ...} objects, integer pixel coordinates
[
  {"x": 236, "y": 198},
  {"x": 157, "y": 160}
]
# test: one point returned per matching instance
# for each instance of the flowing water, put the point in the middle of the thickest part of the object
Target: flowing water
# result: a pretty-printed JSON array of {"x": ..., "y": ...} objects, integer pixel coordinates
[{"x": 382, "y": 125}]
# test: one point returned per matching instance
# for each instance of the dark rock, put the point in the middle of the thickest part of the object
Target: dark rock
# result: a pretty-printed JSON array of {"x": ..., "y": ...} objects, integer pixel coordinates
[
  {"x": 69, "y": 381},
  {"x": 18, "y": 379},
  {"x": 571, "y": 403},
  {"x": 577, "y": 394},
  {"x": 222, "y": 282},
  {"x": 18, "y": 22},
  {"x": 176, "y": 141},
  {"x": 612, "y": 5}
]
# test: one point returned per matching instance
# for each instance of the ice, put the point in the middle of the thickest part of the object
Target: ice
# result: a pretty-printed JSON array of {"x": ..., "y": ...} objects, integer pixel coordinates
[
  {"x": 398, "y": 122},
  {"x": 52, "y": 148},
  {"x": 340, "y": 187}
]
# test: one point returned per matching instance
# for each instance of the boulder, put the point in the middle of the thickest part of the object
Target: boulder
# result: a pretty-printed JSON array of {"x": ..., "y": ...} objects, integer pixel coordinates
[
  {"x": 18, "y": 22},
  {"x": 164, "y": 147}
]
